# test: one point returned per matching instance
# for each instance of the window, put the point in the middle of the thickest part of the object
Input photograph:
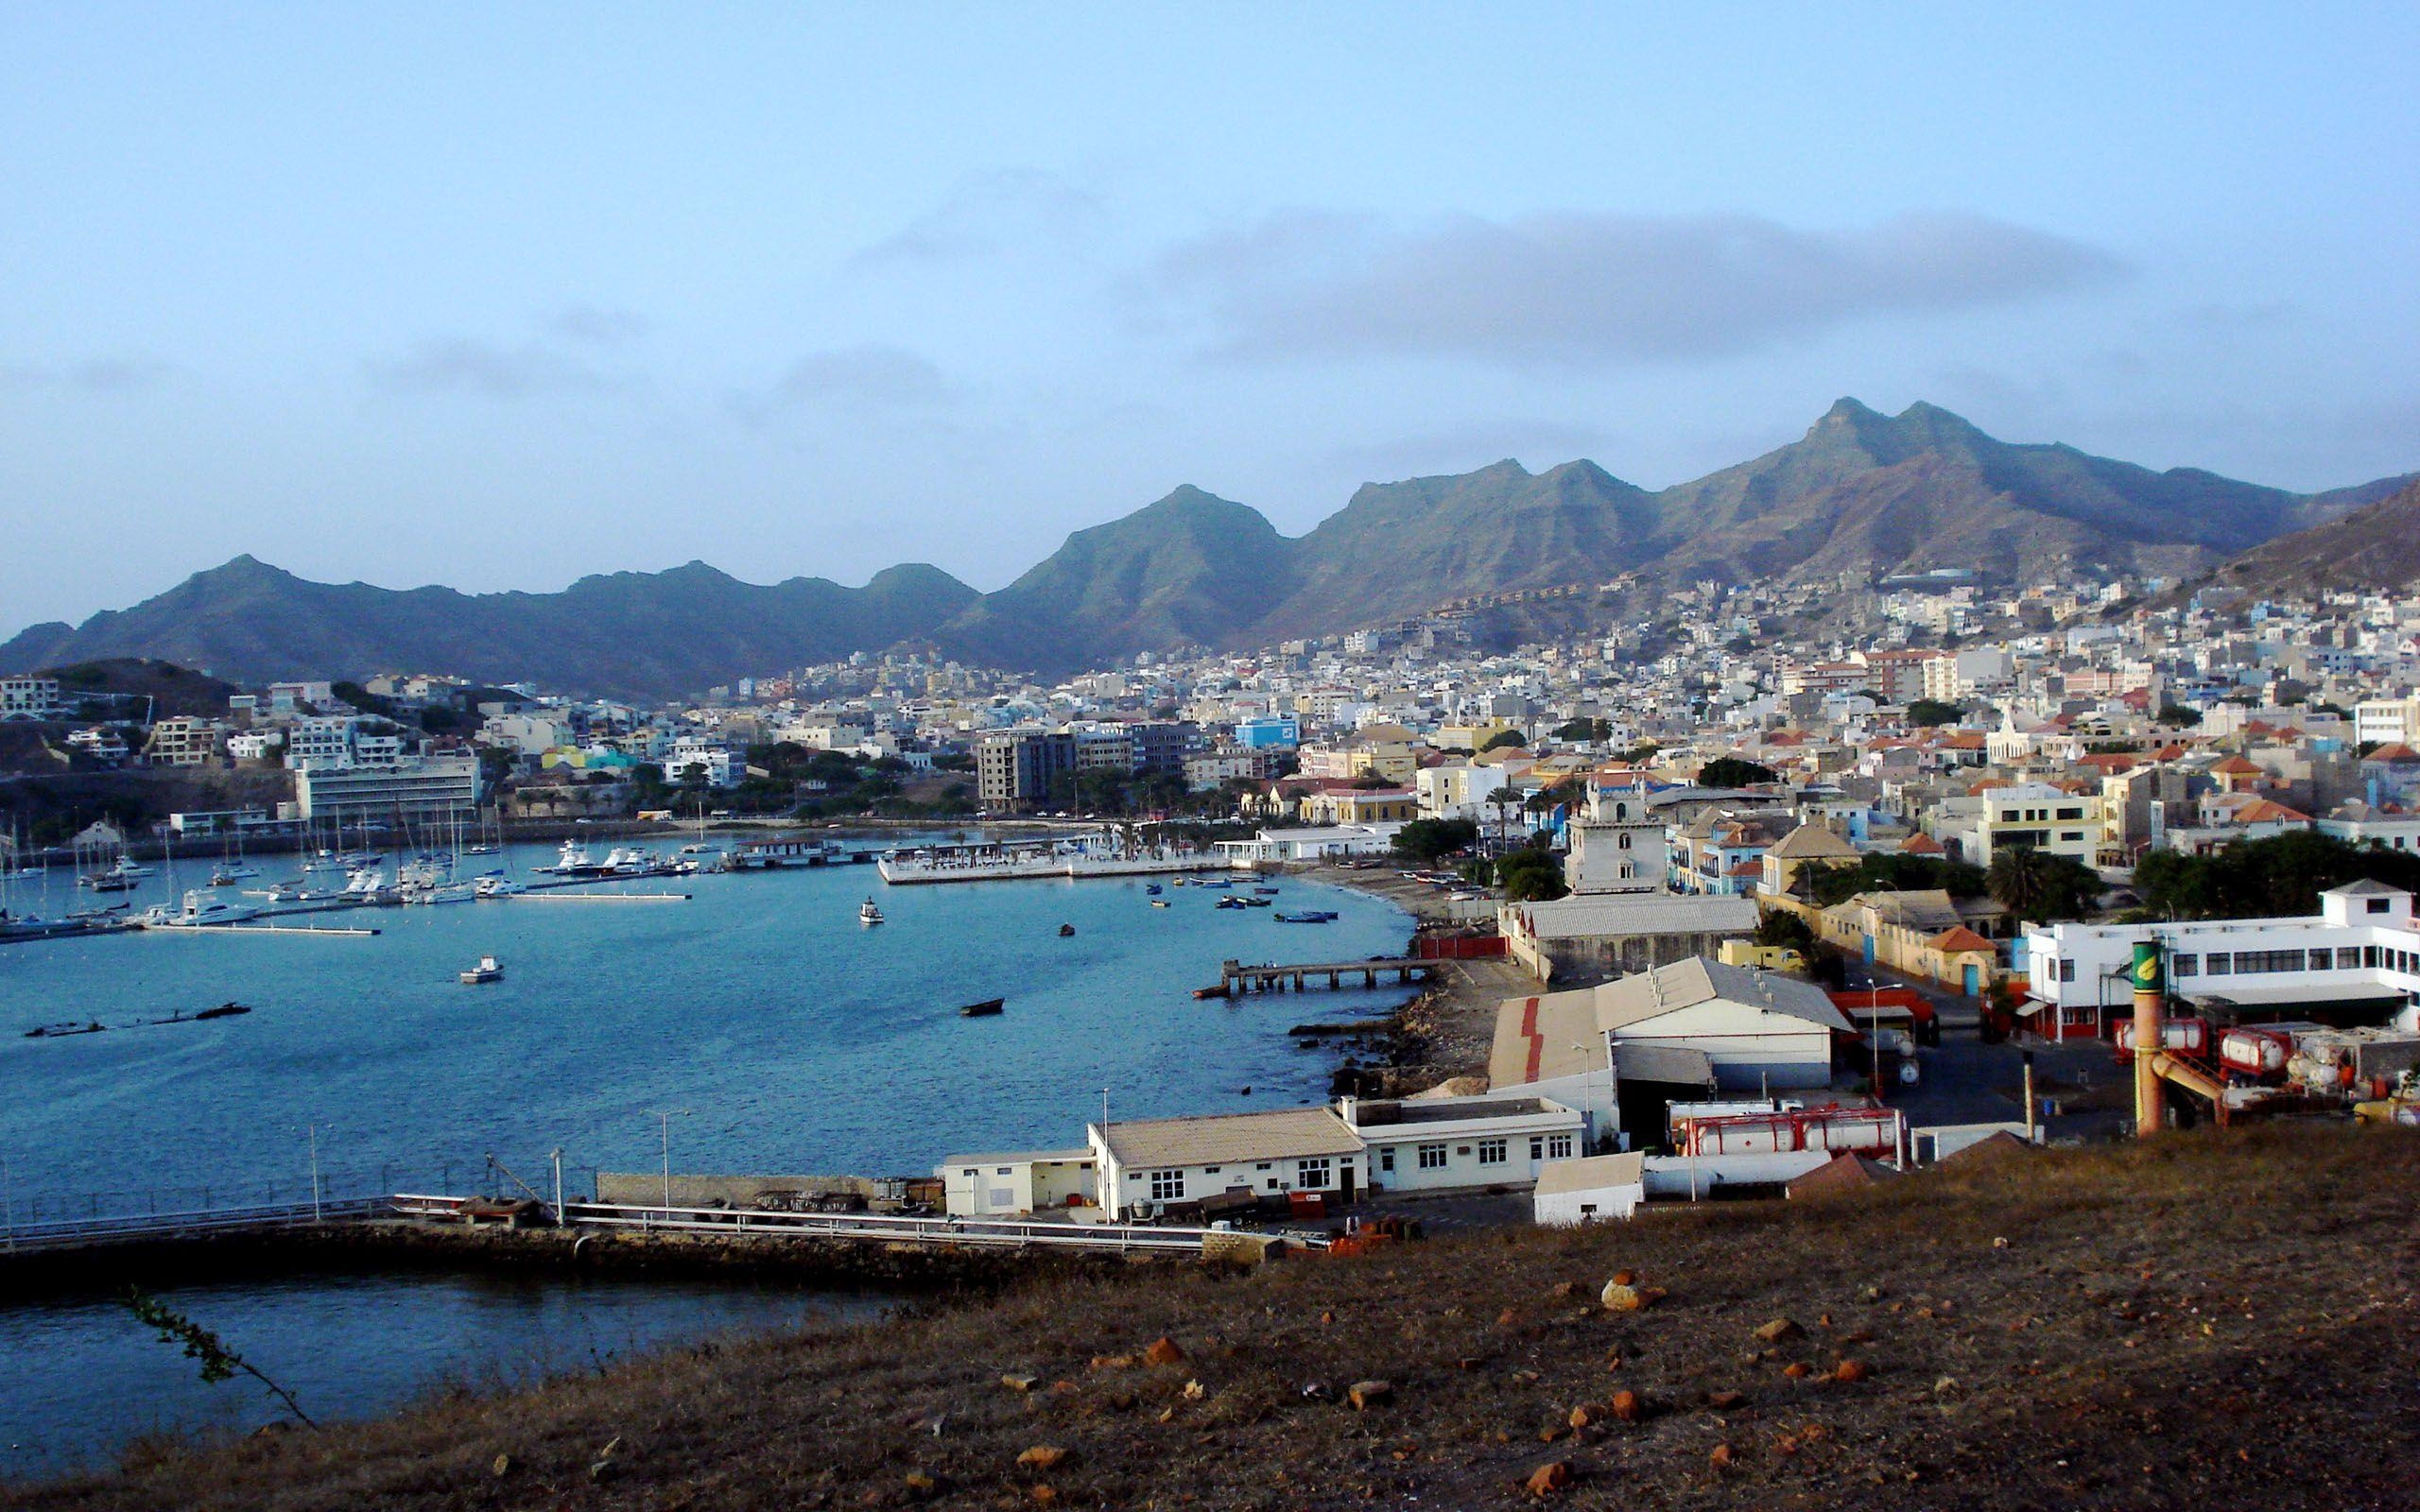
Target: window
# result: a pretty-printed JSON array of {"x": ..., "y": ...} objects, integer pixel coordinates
[
  {"x": 2322, "y": 960},
  {"x": 1311, "y": 1175},
  {"x": 2250, "y": 963},
  {"x": 1624, "y": 842},
  {"x": 1432, "y": 1156},
  {"x": 1005, "y": 1171},
  {"x": 2072, "y": 814},
  {"x": 1558, "y": 1147},
  {"x": 1537, "y": 1146},
  {"x": 1209, "y": 1170},
  {"x": 970, "y": 1170},
  {"x": 2378, "y": 906},
  {"x": 2218, "y": 963},
  {"x": 1386, "y": 1158},
  {"x": 2369, "y": 955},
  {"x": 2184, "y": 965},
  {"x": 2347, "y": 959},
  {"x": 1491, "y": 1152},
  {"x": 1167, "y": 1186},
  {"x": 2066, "y": 970}
]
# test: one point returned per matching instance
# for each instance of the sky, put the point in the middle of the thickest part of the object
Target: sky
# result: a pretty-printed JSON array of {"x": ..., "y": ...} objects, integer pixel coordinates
[{"x": 499, "y": 297}]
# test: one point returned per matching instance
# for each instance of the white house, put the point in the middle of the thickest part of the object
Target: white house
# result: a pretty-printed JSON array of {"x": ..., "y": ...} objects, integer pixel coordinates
[
  {"x": 1146, "y": 1164},
  {"x": 2361, "y": 947},
  {"x": 1311, "y": 844},
  {"x": 1428, "y": 1143},
  {"x": 1011, "y": 1185},
  {"x": 1590, "y": 1190}
]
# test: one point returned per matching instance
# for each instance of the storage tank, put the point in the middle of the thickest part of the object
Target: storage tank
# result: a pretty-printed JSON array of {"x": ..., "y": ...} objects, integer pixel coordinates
[
  {"x": 2190, "y": 1037},
  {"x": 2256, "y": 1051}
]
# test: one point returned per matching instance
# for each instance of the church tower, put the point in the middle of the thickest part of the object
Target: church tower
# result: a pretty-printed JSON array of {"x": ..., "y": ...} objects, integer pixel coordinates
[{"x": 1620, "y": 848}]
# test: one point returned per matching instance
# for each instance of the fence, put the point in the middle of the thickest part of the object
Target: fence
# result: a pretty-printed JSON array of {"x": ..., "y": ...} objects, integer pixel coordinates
[
  {"x": 25, "y": 1206},
  {"x": 77, "y": 1234}
]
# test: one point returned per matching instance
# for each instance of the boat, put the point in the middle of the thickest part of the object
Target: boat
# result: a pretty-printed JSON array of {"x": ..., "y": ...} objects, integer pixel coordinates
[
  {"x": 1203, "y": 994},
  {"x": 982, "y": 1010},
  {"x": 59, "y": 1031},
  {"x": 1315, "y": 916},
  {"x": 1230, "y": 903},
  {"x": 1266, "y": 892},
  {"x": 868, "y": 914},
  {"x": 499, "y": 887},
  {"x": 489, "y": 970},
  {"x": 1255, "y": 903},
  {"x": 1067, "y": 931},
  {"x": 573, "y": 860},
  {"x": 1153, "y": 888},
  {"x": 440, "y": 892},
  {"x": 224, "y": 1011},
  {"x": 198, "y": 911},
  {"x": 121, "y": 877},
  {"x": 1159, "y": 903}
]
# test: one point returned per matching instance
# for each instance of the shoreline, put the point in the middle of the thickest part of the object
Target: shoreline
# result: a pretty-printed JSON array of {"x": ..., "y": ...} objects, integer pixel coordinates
[{"x": 1443, "y": 1034}]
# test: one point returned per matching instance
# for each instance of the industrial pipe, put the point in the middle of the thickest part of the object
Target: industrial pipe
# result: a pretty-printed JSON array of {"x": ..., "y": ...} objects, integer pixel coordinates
[{"x": 2150, "y": 990}]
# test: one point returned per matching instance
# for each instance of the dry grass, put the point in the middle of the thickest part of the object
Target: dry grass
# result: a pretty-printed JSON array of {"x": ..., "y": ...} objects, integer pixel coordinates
[{"x": 2219, "y": 1322}]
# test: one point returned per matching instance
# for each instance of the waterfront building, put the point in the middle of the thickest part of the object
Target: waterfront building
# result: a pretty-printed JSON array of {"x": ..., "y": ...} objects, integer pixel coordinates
[{"x": 425, "y": 788}]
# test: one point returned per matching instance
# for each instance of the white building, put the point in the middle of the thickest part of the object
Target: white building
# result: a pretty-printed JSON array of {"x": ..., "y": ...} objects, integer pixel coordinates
[
  {"x": 1147, "y": 1165},
  {"x": 1017, "y": 1183},
  {"x": 2362, "y": 948},
  {"x": 1590, "y": 1189},
  {"x": 1620, "y": 848},
  {"x": 1429, "y": 1143},
  {"x": 1457, "y": 790},
  {"x": 1311, "y": 844},
  {"x": 30, "y": 698},
  {"x": 428, "y": 788},
  {"x": 695, "y": 760},
  {"x": 1752, "y": 1030}
]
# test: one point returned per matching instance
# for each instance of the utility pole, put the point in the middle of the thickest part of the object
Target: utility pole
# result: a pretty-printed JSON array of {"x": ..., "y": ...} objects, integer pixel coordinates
[
  {"x": 313, "y": 1130},
  {"x": 9, "y": 1201},
  {"x": 556, "y": 1155},
  {"x": 663, "y": 1121}
]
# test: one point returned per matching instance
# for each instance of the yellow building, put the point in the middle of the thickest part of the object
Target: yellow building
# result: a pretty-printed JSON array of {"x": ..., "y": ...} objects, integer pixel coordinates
[{"x": 1471, "y": 737}]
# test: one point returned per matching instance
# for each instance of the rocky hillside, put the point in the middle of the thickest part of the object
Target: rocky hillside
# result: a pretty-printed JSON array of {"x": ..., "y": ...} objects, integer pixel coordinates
[
  {"x": 2212, "y": 1321},
  {"x": 2377, "y": 548},
  {"x": 1859, "y": 493}
]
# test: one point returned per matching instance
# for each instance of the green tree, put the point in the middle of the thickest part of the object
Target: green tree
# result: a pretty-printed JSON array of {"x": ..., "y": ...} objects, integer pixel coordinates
[
  {"x": 1889, "y": 872},
  {"x": 218, "y": 1363},
  {"x": 1504, "y": 739},
  {"x": 2039, "y": 886},
  {"x": 1780, "y": 927},
  {"x": 1927, "y": 712},
  {"x": 1577, "y": 729},
  {"x": 1425, "y": 840},
  {"x": 1733, "y": 771},
  {"x": 1529, "y": 875},
  {"x": 2179, "y": 716}
]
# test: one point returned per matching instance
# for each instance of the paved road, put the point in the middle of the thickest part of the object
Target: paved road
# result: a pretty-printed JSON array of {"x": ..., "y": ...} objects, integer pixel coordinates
[{"x": 1967, "y": 1081}]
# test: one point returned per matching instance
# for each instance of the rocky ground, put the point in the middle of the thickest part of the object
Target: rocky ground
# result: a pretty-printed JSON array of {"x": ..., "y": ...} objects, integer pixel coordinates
[
  {"x": 2215, "y": 1321},
  {"x": 1445, "y": 1032}
]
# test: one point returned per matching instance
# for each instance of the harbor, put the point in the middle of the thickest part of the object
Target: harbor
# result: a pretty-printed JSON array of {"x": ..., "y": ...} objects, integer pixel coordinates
[{"x": 1096, "y": 854}]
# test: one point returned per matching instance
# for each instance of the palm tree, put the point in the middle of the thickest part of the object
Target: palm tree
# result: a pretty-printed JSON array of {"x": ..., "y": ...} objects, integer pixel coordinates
[{"x": 2038, "y": 885}]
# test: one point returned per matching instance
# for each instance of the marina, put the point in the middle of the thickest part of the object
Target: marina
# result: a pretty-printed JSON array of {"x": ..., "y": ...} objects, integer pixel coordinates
[{"x": 1098, "y": 853}]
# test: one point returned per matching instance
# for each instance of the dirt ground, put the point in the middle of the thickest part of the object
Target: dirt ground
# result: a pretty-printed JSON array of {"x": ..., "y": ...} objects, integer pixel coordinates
[{"x": 2212, "y": 1321}]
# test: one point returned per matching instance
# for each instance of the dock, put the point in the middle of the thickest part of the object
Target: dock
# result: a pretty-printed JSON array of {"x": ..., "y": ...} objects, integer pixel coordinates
[
  {"x": 1235, "y": 978},
  {"x": 276, "y": 928},
  {"x": 560, "y": 893}
]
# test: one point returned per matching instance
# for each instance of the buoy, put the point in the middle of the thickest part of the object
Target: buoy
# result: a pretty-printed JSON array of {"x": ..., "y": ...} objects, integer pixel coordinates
[{"x": 1246, "y": 1091}]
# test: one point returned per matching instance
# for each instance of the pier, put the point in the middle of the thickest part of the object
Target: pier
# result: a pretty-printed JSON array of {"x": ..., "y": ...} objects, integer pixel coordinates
[{"x": 1235, "y": 978}]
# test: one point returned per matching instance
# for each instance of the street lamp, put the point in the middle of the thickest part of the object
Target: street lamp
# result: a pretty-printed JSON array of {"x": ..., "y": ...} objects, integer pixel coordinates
[
  {"x": 312, "y": 1131},
  {"x": 663, "y": 1118}
]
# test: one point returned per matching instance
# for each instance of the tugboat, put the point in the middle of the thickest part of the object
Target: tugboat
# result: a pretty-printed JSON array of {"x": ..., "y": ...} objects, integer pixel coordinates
[
  {"x": 489, "y": 970},
  {"x": 868, "y": 914}
]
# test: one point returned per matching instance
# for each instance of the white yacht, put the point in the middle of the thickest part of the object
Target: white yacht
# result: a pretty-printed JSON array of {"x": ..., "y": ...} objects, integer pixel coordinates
[
  {"x": 499, "y": 887},
  {"x": 199, "y": 910},
  {"x": 868, "y": 914}
]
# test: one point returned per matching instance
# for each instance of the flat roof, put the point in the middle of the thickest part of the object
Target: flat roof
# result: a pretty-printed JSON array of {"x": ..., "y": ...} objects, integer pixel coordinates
[{"x": 1455, "y": 1110}]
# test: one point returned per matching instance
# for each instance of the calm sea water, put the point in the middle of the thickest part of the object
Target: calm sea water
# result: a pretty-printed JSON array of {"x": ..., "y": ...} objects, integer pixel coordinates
[{"x": 780, "y": 1035}]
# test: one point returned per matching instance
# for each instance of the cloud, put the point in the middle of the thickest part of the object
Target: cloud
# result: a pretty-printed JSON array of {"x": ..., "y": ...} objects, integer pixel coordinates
[
  {"x": 985, "y": 212},
  {"x": 96, "y": 375},
  {"x": 871, "y": 376},
  {"x": 464, "y": 364},
  {"x": 595, "y": 326},
  {"x": 1584, "y": 289}
]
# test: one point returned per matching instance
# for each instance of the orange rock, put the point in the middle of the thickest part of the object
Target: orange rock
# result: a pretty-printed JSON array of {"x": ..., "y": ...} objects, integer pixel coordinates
[
  {"x": 1852, "y": 1371},
  {"x": 1507, "y": 1318},
  {"x": 1163, "y": 1350},
  {"x": 1550, "y": 1478},
  {"x": 1795, "y": 1369},
  {"x": 1627, "y": 1406},
  {"x": 1721, "y": 1456},
  {"x": 1625, "y": 1278},
  {"x": 1042, "y": 1457},
  {"x": 1044, "y": 1496},
  {"x": 1581, "y": 1418}
]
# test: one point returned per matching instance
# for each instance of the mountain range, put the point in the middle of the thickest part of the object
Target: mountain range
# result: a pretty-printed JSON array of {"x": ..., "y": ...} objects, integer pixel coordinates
[
  {"x": 1859, "y": 491},
  {"x": 2375, "y": 548}
]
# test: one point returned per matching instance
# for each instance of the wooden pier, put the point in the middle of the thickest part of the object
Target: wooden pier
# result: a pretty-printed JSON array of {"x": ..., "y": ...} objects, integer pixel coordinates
[{"x": 1235, "y": 978}]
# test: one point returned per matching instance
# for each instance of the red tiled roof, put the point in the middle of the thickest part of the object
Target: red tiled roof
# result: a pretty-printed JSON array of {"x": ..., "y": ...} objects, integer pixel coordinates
[
  {"x": 1958, "y": 938},
  {"x": 1921, "y": 845}
]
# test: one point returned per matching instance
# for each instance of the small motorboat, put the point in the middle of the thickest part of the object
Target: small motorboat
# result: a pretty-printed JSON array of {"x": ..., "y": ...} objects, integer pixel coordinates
[
  {"x": 1203, "y": 994},
  {"x": 868, "y": 914},
  {"x": 499, "y": 887},
  {"x": 1159, "y": 903},
  {"x": 1231, "y": 903},
  {"x": 1315, "y": 916},
  {"x": 489, "y": 970},
  {"x": 1066, "y": 931},
  {"x": 1266, "y": 892},
  {"x": 1153, "y": 888},
  {"x": 982, "y": 1010}
]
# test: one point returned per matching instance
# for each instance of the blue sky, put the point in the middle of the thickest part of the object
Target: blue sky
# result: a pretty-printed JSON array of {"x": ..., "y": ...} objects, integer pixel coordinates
[{"x": 499, "y": 297}]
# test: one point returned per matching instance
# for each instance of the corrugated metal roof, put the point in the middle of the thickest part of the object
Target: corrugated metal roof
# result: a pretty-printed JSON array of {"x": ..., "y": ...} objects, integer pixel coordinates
[
  {"x": 1221, "y": 1139},
  {"x": 1588, "y": 917},
  {"x": 1541, "y": 1038}
]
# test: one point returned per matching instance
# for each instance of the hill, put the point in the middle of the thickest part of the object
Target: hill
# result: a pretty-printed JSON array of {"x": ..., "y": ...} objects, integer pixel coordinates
[
  {"x": 2207, "y": 1321},
  {"x": 1860, "y": 493},
  {"x": 2373, "y": 548},
  {"x": 629, "y": 634}
]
